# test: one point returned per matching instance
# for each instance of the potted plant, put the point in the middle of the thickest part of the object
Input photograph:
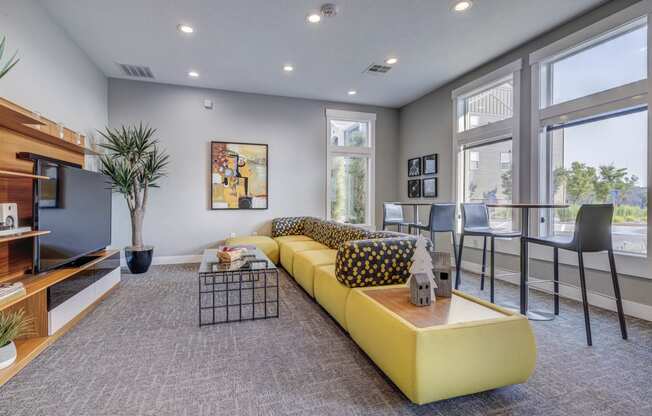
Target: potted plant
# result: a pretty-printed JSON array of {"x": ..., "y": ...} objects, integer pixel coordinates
[
  {"x": 12, "y": 326},
  {"x": 134, "y": 164},
  {"x": 6, "y": 67}
]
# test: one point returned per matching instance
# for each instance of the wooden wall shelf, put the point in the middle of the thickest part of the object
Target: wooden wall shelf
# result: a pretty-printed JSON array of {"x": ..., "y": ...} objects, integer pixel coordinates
[
  {"x": 27, "y": 234},
  {"x": 11, "y": 174},
  {"x": 19, "y": 119}
]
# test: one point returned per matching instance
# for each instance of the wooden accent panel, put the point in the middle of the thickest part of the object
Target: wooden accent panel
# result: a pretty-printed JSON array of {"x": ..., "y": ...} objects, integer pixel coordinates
[
  {"x": 15, "y": 259},
  {"x": 445, "y": 311},
  {"x": 37, "y": 307}
]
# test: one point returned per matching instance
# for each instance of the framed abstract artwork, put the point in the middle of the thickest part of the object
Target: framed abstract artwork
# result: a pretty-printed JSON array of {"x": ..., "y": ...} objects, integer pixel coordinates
[
  {"x": 414, "y": 188},
  {"x": 429, "y": 164},
  {"x": 414, "y": 167},
  {"x": 430, "y": 188},
  {"x": 239, "y": 175}
]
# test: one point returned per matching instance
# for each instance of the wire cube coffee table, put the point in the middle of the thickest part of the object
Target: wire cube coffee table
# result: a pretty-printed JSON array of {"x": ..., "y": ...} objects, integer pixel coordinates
[{"x": 246, "y": 289}]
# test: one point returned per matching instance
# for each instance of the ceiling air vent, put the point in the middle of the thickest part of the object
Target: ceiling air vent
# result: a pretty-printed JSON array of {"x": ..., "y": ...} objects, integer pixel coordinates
[
  {"x": 135, "y": 71},
  {"x": 376, "y": 69}
]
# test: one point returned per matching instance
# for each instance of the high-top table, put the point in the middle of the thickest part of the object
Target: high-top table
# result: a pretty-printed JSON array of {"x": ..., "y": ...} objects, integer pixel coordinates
[
  {"x": 415, "y": 206},
  {"x": 525, "y": 230}
]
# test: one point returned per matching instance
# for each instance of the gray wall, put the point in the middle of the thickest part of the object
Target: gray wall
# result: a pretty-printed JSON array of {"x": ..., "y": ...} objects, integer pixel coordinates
[
  {"x": 178, "y": 220},
  {"x": 426, "y": 127},
  {"x": 54, "y": 76}
]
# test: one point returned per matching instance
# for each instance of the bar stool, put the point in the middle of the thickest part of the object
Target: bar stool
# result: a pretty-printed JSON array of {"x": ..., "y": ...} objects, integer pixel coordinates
[
  {"x": 441, "y": 220},
  {"x": 592, "y": 234},
  {"x": 475, "y": 222},
  {"x": 393, "y": 215}
]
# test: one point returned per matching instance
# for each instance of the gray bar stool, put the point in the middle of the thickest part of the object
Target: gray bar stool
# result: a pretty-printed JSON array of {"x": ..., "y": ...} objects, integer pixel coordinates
[
  {"x": 592, "y": 234},
  {"x": 393, "y": 215},
  {"x": 475, "y": 222},
  {"x": 441, "y": 220}
]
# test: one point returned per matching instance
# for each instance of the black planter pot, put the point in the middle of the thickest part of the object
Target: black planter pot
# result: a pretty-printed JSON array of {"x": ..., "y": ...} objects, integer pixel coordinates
[{"x": 139, "y": 260}]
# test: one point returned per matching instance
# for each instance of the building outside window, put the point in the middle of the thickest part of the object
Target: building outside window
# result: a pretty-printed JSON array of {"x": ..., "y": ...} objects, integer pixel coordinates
[
  {"x": 484, "y": 142},
  {"x": 594, "y": 133},
  {"x": 350, "y": 166}
]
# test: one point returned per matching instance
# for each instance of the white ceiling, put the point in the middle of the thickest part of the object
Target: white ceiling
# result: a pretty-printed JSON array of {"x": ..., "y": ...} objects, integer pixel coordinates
[{"x": 241, "y": 45}]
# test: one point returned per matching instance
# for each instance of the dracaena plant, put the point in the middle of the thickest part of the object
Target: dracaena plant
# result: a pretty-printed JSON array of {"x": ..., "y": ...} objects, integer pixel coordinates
[
  {"x": 14, "y": 325},
  {"x": 6, "y": 67},
  {"x": 134, "y": 163}
]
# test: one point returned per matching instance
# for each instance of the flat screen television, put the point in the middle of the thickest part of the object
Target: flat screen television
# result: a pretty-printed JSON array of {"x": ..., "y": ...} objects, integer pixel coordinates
[{"x": 75, "y": 206}]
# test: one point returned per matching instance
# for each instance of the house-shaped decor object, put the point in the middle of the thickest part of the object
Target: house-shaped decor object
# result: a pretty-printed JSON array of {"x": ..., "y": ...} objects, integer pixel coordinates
[
  {"x": 420, "y": 289},
  {"x": 443, "y": 274}
]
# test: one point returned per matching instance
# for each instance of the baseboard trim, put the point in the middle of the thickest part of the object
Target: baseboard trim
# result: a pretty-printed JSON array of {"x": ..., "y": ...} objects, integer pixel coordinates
[
  {"x": 157, "y": 260},
  {"x": 634, "y": 309}
]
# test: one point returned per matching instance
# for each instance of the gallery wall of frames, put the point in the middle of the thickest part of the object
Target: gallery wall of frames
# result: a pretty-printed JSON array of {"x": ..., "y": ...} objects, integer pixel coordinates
[{"x": 423, "y": 171}]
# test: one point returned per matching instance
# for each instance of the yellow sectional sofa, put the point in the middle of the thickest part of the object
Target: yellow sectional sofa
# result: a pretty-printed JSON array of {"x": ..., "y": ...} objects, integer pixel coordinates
[
  {"x": 339, "y": 264},
  {"x": 264, "y": 244}
]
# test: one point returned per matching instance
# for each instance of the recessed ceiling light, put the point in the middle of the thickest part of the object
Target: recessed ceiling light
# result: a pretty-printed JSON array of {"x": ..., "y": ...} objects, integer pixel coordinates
[
  {"x": 352, "y": 92},
  {"x": 391, "y": 61},
  {"x": 462, "y": 5},
  {"x": 288, "y": 68},
  {"x": 313, "y": 18},
  {"x": 193, "y": 74},
  {"x": 185, "y": 29}
]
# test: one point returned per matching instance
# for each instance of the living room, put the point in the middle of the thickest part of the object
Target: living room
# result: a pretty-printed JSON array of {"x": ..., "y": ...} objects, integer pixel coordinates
[{"x": 308, "y": 207}]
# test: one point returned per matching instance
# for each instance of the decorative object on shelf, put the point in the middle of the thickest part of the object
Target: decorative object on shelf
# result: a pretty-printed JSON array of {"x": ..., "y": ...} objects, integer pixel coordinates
[
  {"x": 134, "y": 163},
  {"x": 61, "y": 130},
  {"x": 8, "y": 216},
  {"x": 4, "y": 69},
  {"x": 414, "y": 188},
  {"x": 239, "y": 175},
  {"x": 442, "y": 271},
  {"x": 11, "y": 291},
  {"x": 422, "y": 279},
  {"x": 12, "y": 326},
  {"x": 430, "y": 187},
  {"x": 430, "y": 164},
  {"x": 38, "y": 117},
  {"x": 414, "y": 167}
]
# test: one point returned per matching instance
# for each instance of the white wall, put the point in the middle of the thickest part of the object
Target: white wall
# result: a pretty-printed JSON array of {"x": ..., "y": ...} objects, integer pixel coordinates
[
  {"x": 54, "y": 76},
  {"x": 179, "y": 221}
]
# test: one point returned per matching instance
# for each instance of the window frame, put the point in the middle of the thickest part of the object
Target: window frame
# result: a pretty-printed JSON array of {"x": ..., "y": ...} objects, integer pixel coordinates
[
  {"x": 368, "y": 152},
  {"x": 634, "y": 94},
  {"x": 488, "y": 133}
]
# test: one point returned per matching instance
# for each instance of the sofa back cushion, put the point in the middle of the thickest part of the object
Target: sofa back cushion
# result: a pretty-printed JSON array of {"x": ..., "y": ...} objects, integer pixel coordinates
[{"x": 374, "y": 262}]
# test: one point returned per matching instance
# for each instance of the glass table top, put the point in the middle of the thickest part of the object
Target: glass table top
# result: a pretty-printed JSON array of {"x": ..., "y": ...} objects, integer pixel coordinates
[{"x": 253, "y": 260}]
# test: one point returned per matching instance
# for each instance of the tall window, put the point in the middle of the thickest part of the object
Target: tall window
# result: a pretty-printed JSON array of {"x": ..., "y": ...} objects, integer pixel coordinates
[
  {"x": 488, "y": 182},
  {"x": 485, "y": 139},
  {"x": 350, "y": 166},
  {"x": 594, "y": 132}
]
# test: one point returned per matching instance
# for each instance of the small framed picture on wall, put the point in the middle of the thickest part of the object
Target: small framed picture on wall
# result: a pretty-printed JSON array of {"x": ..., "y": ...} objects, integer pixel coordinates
[
  {"x": 414, "y": 167},
  {"x": 429, "y": 164},
  {"x": 430, "y": 188},
  {"x": 414, "y": 188}
]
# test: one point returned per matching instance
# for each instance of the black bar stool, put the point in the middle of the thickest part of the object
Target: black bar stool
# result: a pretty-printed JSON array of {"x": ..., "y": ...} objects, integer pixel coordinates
[
  {"x": 393, "y": 215},
  {"x": 592, "y": 234},
  {"x": 475, "y": 222},
  {"x": 441, "y": 220}
]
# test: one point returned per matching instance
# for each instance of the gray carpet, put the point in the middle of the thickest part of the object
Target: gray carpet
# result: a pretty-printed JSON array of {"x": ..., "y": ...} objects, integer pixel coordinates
[{"x": 141, "y": 353}]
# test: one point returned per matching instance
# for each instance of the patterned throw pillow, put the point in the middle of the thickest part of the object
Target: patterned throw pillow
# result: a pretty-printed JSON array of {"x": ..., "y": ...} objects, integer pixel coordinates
[{"x": 374, "y": 262}]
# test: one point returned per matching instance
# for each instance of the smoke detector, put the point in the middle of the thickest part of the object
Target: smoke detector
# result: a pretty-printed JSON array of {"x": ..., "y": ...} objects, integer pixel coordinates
[{"x": 328, "y": 10}]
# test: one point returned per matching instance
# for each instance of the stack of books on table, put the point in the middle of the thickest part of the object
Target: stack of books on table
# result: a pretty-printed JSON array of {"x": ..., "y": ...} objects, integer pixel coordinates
[
  {"x": 230, "y": 254},
  {"x": 10, "y": 292}
]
